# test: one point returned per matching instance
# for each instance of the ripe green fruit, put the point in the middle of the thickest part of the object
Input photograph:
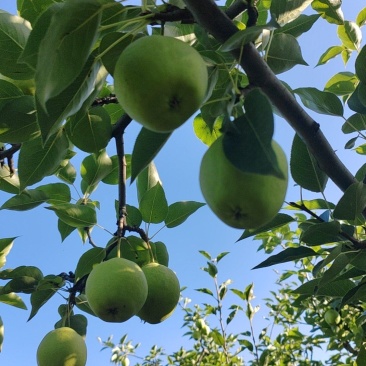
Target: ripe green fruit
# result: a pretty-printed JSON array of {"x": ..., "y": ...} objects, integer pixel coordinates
[
  {"x": 332, "y": 317},
  {"x": 240, "y": 199},
  {"x": 62, "y": 347},
  {"x": 116, "y": 289},
  {"x": 160, "y": 82},
  {"x": 163, "y": 293}
]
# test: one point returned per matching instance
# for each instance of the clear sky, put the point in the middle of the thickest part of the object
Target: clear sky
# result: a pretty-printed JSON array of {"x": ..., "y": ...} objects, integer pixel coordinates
[{"x": 39, "y": 243}]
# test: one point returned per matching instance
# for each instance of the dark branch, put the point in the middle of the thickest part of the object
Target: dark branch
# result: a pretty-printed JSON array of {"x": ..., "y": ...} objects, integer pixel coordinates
[
  {"x": 210, "y": 17},
  {"x": 8, "y": 154}
]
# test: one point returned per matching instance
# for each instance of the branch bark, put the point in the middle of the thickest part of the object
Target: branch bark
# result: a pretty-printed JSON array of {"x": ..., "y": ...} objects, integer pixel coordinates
[{"x": 210, "y": 17}]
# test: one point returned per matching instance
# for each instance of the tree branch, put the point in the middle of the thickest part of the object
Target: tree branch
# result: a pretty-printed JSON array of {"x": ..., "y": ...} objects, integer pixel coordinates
[{"x": 210, "y": 17}]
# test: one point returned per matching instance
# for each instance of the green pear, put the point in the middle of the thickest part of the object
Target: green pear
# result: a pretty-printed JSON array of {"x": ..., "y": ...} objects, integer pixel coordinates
[
  {"x": 240, "y": 199},
  {"x": 332, "y": 317},
  {"x": 163, "y": 293},
  {"x": 160, "y": 82},
  {"x": 62, "y": 347},
  {"x": 116, "y": 289}
]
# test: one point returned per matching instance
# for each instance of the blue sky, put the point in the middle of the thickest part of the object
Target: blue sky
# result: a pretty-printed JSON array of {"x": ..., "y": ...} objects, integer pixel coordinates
[{"x": 39, "y": 243}]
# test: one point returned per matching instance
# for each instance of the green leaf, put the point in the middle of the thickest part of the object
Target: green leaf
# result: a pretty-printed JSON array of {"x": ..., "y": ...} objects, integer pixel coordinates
[
  {"x": 75, "y": 215},
  {"x": 113, "y": 176},
  {"x": 284, "y": 11},
  {"x": 56, "y": 192},
  {"x": 330, "y": 10},
  {"x": 337, "y": 267},
  {"x": 1, "y": 334},
  {"x": 153, "y": 205},
  {"x": 29, "y": 55},
  {"x": 88, "y": 260},
  {"x": 221, "y": 255},
  {"x": 5, "y": 246},
  {"x": 78, "y": 322},
  {"x": 64, "y": 229},
  {"x": 323, "y": 233},
  {"x": 30, "y": 10},
  {"x": 343, "y": 83},
  {"x": 66, "y": 172},
  {"x": 355, "y": 294},
  {"x": 320, "y": 101},
  {"x": 212, "y": 269},
  {"x": 14, "y": 32},
  {"x": 179, "y": 212},
  {"x": 242, "y": 37},
  {"x": 304, "y": 168},
  {"x": 95, "y": 167},
  {"x": 298, "y": 26},
  {"x": 8, "y": 90},
  {"x": 330, "y": 53},
  {"x": 356, "y": 122},
  {"x": 13, "y": 299},
  {"x": 352, "y": 203},
  {"x": 204, "y": 132},
  {"x": 287, "y": 255},
  {"x": 217, "y": 337},
  {"x": 40, "y": 297},
  {"x": 66, "y": 47},
  {"x": 279, "y": 220},
  {"x": 361, "y": 356},
  {"x": 22, "y": 279},
  {"x": 90, "y": 132},
  {"x": 147, "y": 179},
  {"x": 37, "y": 161},
  {"x": 18, "y": 121},
  {"x": 26, "y": 200},
  {"x": 205, "y": 291},
  {"x": 147, "y": 146},
  {"x": 360, "y": 65},
  {"x": 205, "y": 254},
  {"x": 250, "y": 136},
  {"x": 357, "y": 101},
  {"x": 336, "y": 289},
  {"x": 111, "y": 47},
  {"x": 9, "y": 182},
  {"x": 72, "y": 99},
  {"x": 361, "y": 18},
  {"x": 134, "y": 216},
  {"x": 284, "y": 53},
  {"x": 350, "y": 34}
]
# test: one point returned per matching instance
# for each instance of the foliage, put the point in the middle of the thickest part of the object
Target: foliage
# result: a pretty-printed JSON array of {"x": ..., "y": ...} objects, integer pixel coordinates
[{"x": 56, "y": 100}]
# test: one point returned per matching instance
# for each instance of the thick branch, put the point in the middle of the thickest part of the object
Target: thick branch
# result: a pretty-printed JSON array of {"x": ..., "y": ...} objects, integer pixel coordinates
[{"x": 210, "y": 17}]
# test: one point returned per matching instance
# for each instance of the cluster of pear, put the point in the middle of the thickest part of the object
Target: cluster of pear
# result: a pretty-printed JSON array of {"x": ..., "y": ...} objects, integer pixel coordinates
[
  {"x": 242, "y": 200},
  {"x": 138, "y": 283}
]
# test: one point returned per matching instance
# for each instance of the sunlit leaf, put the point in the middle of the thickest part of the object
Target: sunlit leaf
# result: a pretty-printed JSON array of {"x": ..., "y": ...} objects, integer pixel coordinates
[
  {"x": 350, "y": 34},
  {"x": 330, "y": 10},
  {"x": 26, "y": 200},
  {"x": 75, "y": 215},
  {"x": 66, "y": 47},
  {"x": 153, "y": 205},
  {"x": 179, "y": 212},
  {"x": 284, "y": 11}
]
